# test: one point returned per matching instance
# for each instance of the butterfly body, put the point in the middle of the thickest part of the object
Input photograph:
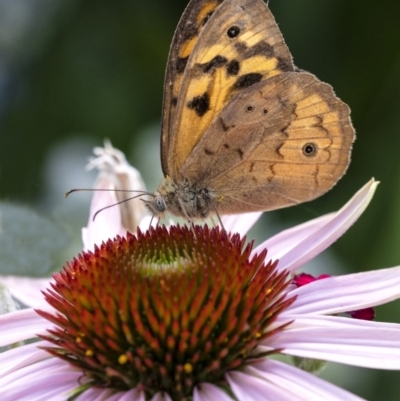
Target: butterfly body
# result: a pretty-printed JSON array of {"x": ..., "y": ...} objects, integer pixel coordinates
[
  {"x": 183, "y": 199},
  {"x": 243, "y": 130}
]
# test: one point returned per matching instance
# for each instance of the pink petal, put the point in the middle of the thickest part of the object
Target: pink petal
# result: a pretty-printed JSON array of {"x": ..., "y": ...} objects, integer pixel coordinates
[
  {"x": 133, "y": 395},
  {"x": 209, "y": 392},
  {"x": 298, "y": 382},
  {"x": 328, "y": 322},
  {"x": 109, "y": 395},
  {"x": 47, "y": 380},
  {"x": 21, "y": 325},
  {"x": 114, "y": 173},
  {"x": 357, "y": 343},
  {"x": 161, "y": 397},
  {"x": 318, "y": 234},
  {"x": 240, "y": 223},
  {"x": 347, "y": 293},
  {"x": 250, "y": 388},
  {"x": 97, "y": 394},
  {"x": 281, "y": 243},
  {"x": 19, "y": 357},
  {"x": 107, "y": 223},
  {"x": 27, "y": 290}
]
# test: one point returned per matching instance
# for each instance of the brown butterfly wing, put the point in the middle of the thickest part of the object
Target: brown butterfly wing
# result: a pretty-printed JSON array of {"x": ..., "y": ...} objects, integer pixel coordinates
[
  {"x": 193, "y": 20},
  {"x": 280, "y": 142},
  {"x": 239, "y": 46}
]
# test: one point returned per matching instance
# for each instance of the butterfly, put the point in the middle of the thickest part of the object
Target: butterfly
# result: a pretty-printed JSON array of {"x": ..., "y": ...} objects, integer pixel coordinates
[{"x": 243, "y": 129}]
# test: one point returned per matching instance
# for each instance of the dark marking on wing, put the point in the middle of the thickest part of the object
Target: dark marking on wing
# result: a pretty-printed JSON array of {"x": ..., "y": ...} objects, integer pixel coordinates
[
  {"x": 294, "y": 108},
  {"x": 320, "y": 121},
  {"x": 284, "y": 65},
  {"x": 174, "y": 101},
  {"x": 320, "y": 125},
  {"x": 208, "y": 152},
  {"x": 240, "y": 47},
  {"x": 310, "y": 149},
  {"x": 261, "y": 48},
  {"x": 226, "y": 146},
  {"x": 240, "y": 152},
  {"x": 251, "y": 167},
  {"x": 327, "y": 149},
  {"x": 190, "y": 31},
  {"x": 278, "y": 150},
  {"x": 224, "y": 127},
  {"x": 254, "y": 179},
  {"x": 233, "y": 31},
  {"x": 206, "y": 18},
  {"x": 281, "y": 101},
  {"x": 216, "y": 62},
  {"x": 316, "y": 175},
  {"x": 283, "y": 130},
  {"x": 200, "y": 104},
  {"x": 181, "y": 64},
  {"x": 286, "y": 104},
  {"x": 247, "y": 80},
  {"x": 233, "y": 67}
]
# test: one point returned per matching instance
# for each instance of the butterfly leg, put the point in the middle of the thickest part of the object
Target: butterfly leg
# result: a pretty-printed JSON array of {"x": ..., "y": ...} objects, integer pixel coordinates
[
  {"x": 220, "y": 220},
  {"x": 151, "y": 221},
  {"x": 184, "y": 210}
]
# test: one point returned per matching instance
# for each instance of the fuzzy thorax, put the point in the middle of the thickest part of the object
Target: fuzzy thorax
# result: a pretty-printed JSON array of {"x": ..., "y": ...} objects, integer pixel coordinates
[{"x": 191, "y": 201}]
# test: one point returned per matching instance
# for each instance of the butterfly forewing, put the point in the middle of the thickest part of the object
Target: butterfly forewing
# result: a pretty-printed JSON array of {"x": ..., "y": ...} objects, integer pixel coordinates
[
  {"x": 240, "y": 45},
  {"x": 193, "y": 20}
]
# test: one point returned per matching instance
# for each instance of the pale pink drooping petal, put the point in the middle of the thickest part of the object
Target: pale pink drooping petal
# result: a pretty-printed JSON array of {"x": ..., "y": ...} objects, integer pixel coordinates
[
  {"x": 121, "y": 214},
  {"x": 20, "y": 325},
  {"x": 27, "y": 290},
  {"x": 209, "y": 392},
  {"x": 240, "y": 223},
  {"x": 357, "y": 343},
  {"x": 347, "y": 293},
  {"x": 300, "y": 384},
  {"x": 107, "y": 223},
  {"x": 251, "y": 388},
  {"x": 29, "y": 383},
  {"x": 161, "y": 397},
  {"x": 317, "y": 237},
  {"x": 19, "y": 357}
]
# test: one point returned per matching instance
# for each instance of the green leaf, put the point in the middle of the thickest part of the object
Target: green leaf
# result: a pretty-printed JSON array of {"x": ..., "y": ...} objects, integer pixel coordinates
[{"x": 29, "y": 243}]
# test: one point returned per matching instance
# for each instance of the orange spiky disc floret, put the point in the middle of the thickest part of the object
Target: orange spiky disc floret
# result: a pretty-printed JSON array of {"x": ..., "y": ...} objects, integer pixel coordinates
[{"x": 165, "y": 310}]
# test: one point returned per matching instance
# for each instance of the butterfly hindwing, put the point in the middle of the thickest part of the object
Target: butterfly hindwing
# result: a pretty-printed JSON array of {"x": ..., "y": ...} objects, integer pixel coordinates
[{"x": 281, "y": 142}]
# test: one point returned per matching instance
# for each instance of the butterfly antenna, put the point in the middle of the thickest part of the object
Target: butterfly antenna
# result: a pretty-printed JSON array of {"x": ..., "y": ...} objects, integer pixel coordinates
[
  {"x": 106, "y": 190},
  {"x": 118, "y": 203}
]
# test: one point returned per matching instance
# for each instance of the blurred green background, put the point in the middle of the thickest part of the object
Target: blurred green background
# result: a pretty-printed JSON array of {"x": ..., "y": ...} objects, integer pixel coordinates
[{"x": 75, "y": 72}]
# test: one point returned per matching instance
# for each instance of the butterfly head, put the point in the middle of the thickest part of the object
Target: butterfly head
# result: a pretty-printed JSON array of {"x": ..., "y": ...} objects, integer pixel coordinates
[{"x": 157, "y": 205}]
